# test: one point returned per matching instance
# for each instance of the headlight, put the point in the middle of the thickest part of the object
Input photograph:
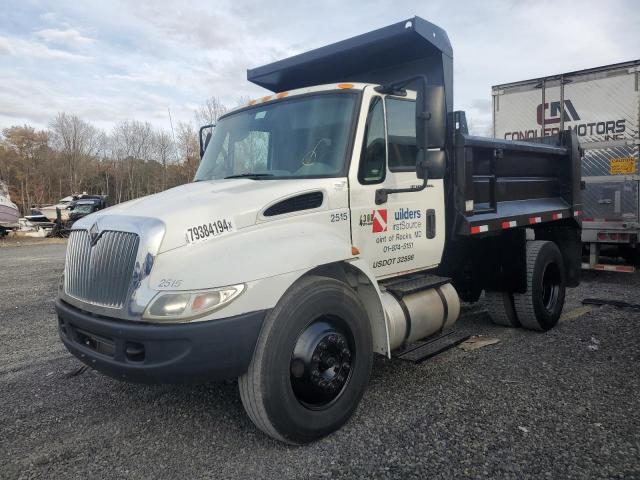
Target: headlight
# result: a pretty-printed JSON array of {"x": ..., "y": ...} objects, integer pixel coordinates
[{"x": 187, "y": 306}]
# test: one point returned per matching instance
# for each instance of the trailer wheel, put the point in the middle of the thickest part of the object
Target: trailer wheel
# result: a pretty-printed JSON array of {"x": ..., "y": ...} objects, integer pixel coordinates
[
  {"x": 540, "y": 307},
  {"x": 500, "y": 308},
  {"x": 311, "y": 364}
]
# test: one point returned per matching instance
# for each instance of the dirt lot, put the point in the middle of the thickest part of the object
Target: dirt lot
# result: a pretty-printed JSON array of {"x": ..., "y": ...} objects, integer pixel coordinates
[{"x": 564, "y": 404}]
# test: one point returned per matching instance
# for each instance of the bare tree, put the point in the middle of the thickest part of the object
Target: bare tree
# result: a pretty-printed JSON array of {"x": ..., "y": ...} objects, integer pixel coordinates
[
  {"x": 188, "y": 148},
  {"x": 132, "y": 146},
  {"x": 30, "y": 146},
  {"x": 76, "y": 140},
  {"x": 210, "y": 112},
  {"x": 163, "y": 148}
]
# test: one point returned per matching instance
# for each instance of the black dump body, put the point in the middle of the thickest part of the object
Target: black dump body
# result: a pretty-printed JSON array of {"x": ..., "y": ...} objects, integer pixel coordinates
[
  {"x": 494, "y": 188},
  {"x": 499, "y": 184}
]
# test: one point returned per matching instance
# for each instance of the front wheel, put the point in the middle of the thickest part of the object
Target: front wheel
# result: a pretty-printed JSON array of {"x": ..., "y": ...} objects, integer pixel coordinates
[{"x": 312, "y": 362}]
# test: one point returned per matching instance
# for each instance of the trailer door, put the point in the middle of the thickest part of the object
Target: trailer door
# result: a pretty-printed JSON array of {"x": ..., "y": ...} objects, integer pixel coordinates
[{"x": 605, "y": 116}]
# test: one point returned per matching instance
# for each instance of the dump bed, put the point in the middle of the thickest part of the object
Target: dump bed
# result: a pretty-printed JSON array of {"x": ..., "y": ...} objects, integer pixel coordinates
[{"x": 503, "y": 184}]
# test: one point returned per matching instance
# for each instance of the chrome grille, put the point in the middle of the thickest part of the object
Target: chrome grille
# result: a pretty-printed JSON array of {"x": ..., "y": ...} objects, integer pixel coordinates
[{"x": 100, "y": 274}]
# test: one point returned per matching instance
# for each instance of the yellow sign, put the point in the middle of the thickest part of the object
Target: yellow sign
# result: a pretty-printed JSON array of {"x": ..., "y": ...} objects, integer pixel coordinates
[{"x": 623, "y": 166}]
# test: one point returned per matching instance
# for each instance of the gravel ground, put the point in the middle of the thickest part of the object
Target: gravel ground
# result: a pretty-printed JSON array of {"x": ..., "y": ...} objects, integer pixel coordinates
[{"x": 564, "y": 404}]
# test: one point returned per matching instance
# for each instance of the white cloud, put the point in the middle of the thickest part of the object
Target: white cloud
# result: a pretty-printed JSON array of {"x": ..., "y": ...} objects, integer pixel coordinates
[
  {"x": 21, "y": 48},
  {"x": 69, "y": 36},
  {"x": 5, "y": 46}
]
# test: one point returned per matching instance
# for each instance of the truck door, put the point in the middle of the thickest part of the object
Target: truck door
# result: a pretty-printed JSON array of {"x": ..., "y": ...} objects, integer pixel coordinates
[{"x": 407, "y": 232}]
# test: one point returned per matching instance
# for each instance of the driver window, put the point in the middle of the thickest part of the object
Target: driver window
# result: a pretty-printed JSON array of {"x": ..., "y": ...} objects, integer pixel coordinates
[
  {"x": 374, "y": 152},
  {"x": 401, "y": 130}
]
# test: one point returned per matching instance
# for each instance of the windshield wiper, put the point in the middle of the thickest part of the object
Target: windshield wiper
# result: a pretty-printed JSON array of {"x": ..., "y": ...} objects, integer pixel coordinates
[{"x": 250, "y": 175}]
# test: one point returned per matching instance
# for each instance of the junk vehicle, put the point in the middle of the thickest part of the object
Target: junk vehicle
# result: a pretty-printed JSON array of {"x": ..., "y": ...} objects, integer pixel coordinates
[
  {"x": 602, "y": 105},
  {"x": 344, "y": 215},
  {"x": 85, "y": 205}
]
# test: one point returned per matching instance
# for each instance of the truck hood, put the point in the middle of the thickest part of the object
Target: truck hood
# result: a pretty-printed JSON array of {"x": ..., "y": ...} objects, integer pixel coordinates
[{"x": 240, "y": 201}]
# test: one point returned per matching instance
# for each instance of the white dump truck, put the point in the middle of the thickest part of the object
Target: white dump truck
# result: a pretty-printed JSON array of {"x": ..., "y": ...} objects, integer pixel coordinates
[
  {"x": 602, "y": 105},
  {"x": 342, "y": 216}
]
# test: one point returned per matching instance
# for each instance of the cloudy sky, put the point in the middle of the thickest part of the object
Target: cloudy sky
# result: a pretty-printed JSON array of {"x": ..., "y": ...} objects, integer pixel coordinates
[{"x": 114, "y": 60}]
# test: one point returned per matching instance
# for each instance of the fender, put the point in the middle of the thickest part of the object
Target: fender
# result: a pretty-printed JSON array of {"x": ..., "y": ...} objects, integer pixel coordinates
[
  {"x": 369, "y": 292},
  {"x": 256, "y": 253}
]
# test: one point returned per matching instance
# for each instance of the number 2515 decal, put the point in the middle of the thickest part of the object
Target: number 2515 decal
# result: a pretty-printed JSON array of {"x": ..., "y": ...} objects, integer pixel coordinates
[{"x": 339, "y": 217}]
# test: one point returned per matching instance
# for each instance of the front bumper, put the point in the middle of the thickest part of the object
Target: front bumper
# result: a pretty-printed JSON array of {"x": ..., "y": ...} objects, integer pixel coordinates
[{"x": 160, "y": 353}]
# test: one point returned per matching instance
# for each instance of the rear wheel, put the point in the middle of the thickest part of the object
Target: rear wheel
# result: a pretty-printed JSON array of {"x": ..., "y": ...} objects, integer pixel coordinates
[
  {"x": 500, "y": 308},
  {"x": 312, "y": 362},
  {"x": 540, "y": 307}
]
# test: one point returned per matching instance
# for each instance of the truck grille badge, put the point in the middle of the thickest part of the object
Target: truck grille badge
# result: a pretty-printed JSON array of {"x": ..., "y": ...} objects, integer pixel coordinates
[{"x": 94, "y": 234}]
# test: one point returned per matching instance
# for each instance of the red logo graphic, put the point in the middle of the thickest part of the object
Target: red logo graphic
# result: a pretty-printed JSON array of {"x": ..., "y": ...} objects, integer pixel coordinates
[
  {"x": 379, "y": 221},
  {"x": 556, "y": 111}
]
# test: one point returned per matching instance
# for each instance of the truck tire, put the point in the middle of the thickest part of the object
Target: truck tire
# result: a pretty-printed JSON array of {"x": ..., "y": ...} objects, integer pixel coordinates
[
  {"x": 540, "y": 307},
  {"x": 500, "y": 308},
  {"x": 311, "y": 364}
]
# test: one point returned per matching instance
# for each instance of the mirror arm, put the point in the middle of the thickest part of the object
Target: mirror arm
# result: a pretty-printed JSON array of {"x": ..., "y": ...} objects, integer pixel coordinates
[
  {"x": 202, "y": 147},
  {"x": 382, "y": 194}
]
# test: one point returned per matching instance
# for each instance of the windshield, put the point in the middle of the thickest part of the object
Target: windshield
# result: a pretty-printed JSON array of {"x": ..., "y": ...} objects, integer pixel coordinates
[
  {"x": 82, "y": 209},
  {"x": 294, "y": 138}
]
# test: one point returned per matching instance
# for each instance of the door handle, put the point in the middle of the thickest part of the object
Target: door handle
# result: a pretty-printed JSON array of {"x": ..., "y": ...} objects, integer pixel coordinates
[{"x": 431, "y": 223}]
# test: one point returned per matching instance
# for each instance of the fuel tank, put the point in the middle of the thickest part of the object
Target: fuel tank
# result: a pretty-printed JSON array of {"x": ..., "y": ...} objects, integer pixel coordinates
[{"x": 419, "y": 314}]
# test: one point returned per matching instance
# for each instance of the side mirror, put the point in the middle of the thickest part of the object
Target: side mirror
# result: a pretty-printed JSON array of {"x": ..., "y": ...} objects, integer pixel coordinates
[
  {"x": 430, "y": 131},
  {"x": 431, "y": 116},
  {"x": 431, "y": 164}
]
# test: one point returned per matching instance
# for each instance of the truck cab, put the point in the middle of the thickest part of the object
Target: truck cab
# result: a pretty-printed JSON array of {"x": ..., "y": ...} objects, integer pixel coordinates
[{"x": 325, "y": 224}]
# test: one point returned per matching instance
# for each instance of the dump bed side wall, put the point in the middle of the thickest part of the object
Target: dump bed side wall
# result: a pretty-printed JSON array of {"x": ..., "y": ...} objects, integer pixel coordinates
[
  {"x": 501, "y": 184},
  {"x": 603, "y": 107}
]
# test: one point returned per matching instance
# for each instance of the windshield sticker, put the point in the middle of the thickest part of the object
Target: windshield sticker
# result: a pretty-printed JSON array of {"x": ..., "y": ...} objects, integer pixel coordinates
[{"x": 209, "y": 230}]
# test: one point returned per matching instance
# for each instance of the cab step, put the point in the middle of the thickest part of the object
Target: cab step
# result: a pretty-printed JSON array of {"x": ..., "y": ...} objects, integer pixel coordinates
[
  {"x": 414, "y": 283},
  {"x": 422, "y": 350}
]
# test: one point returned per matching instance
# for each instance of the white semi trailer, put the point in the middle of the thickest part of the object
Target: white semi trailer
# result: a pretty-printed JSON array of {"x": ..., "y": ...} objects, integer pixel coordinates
[
  {"x": 602, "y": 105},
  {"x": 339, "y": 218}
]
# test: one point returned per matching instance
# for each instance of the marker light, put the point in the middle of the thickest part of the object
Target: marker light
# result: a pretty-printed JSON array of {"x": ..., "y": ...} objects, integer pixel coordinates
[{"x": 187, "y": 306}]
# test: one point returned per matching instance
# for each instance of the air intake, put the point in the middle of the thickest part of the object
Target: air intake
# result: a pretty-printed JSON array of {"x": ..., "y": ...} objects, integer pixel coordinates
[{"x": 306, "y": 201}]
